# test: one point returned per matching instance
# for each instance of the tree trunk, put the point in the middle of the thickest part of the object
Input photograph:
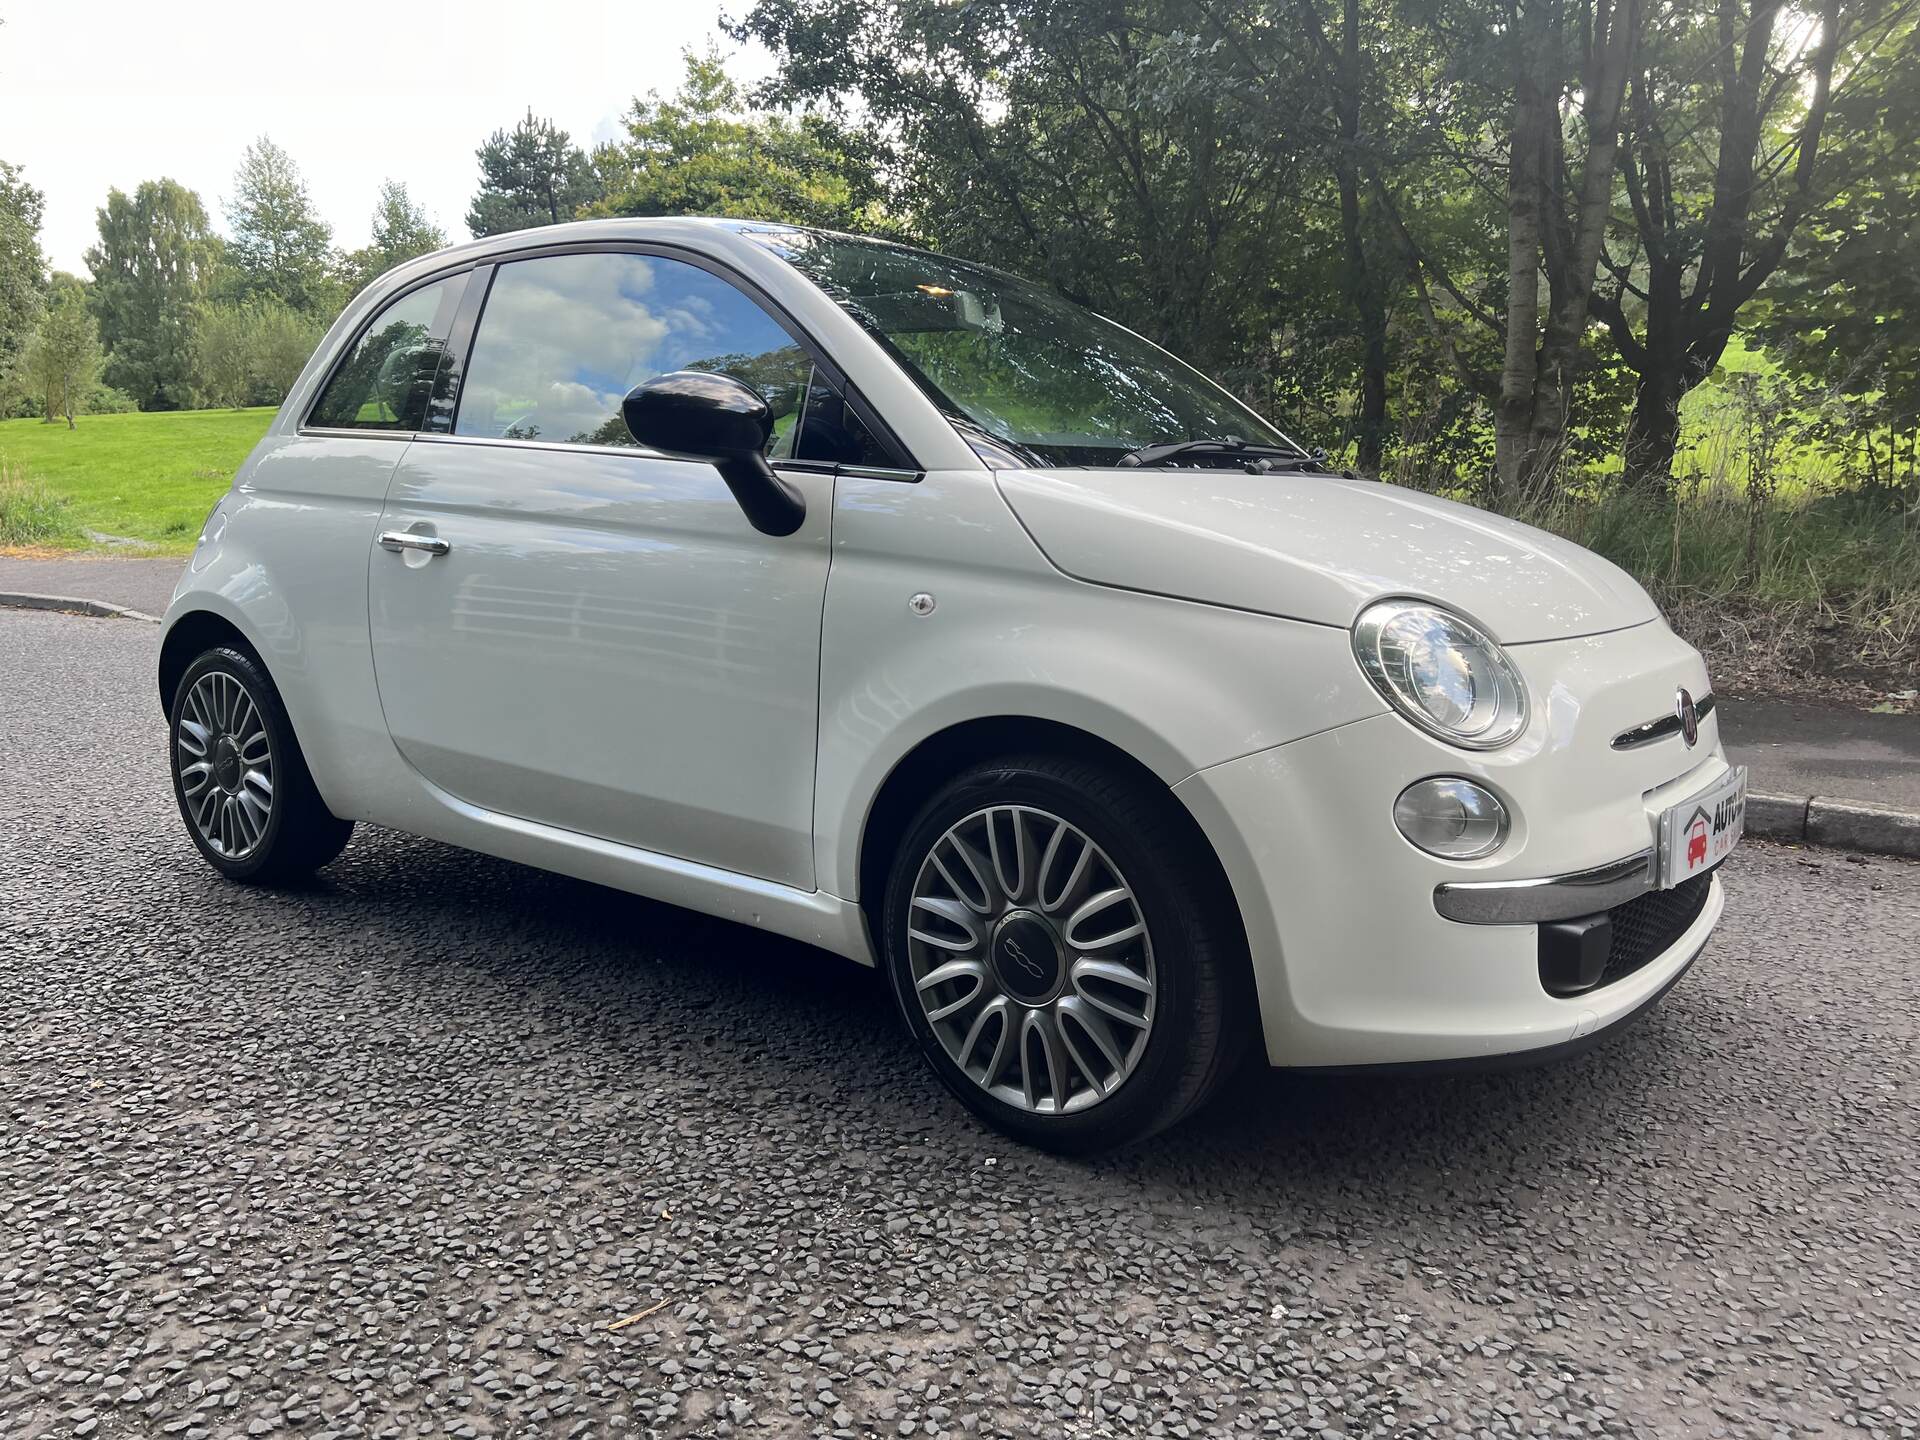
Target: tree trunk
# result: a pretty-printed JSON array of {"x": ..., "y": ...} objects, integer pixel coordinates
[
  {"x": 1363, "y": 291},
  {"x": 1514, "y": 460},
  {"x": 1573, "y": 250},
  {"x": 1695, "y": 284},
  {"x": 1373, "y": 403},
  {"x": 1668, "y": 368},
  {"x": 1653, "y": 429}
]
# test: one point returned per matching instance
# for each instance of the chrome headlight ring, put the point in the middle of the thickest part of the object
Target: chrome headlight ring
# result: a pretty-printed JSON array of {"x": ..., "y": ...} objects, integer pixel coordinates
[{"x": 1441, "y": 671}]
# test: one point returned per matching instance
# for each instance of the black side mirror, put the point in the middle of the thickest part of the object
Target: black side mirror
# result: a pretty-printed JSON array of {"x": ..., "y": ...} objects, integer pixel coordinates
[{"x": 703, "y": 416}]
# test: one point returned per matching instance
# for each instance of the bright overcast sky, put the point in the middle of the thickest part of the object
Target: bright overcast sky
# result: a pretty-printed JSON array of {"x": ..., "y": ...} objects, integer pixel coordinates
[{"x": 97, "y": 93}]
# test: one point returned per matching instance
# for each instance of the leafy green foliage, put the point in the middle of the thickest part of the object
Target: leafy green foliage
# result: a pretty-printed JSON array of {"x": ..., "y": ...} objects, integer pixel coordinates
[
  {"x": 1109, "y": 151},
  {"x": 703, "y": 151},
  {"x": 1843, "y": 319},
  {"x": 154, "y": 266},
  {"x": 62, "y": 360},
  {"x": 280, "y": 247},
  {"x": 22, "y": 268},
  {"x": 402, "y": 230},
  {"x": 250, "y": 352},
  {"x": 1729, "y": 147},
  {"x": 531, "y": 175}
]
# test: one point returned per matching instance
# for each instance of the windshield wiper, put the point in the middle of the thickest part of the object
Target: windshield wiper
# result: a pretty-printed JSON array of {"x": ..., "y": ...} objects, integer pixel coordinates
[{"x": 1254, "y": 459}]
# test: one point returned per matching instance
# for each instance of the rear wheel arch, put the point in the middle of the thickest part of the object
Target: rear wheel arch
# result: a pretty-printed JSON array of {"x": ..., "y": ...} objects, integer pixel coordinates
[
  {"x": 241, "y": 783},
  {"x": 190, "y": 637}
]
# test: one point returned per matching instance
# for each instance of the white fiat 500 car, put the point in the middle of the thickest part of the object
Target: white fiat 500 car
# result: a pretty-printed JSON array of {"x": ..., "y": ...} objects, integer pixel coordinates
[{"x": 900, "y": 606}]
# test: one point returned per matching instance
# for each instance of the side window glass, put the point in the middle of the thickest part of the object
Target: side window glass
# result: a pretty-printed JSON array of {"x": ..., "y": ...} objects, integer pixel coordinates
[
  {"x": 563, "y": 339},
  {"x": 386, "y": 379}
]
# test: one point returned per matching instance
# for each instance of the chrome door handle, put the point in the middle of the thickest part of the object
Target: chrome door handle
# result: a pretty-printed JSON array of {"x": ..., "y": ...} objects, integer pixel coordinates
[{"x": 398, "y": 540}]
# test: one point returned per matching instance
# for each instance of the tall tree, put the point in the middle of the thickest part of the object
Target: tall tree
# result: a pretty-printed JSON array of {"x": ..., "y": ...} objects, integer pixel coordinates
[
  {"x": 62, "y": 359},
  {"x": 1345, "y": 65},
  {"x": 1842, "y": 315},
  {"x": 1725, "y": 161},
  {"x": 1352, "y": 58},
  {"x": 402, "y": 230},
  {"x": 1104, "y": 148},
  {"x": 23, "y": 270},
  {"x": 154, "y": 264},
  {"x": 280, "y": 246},
  {"x": 530, "y": 175},
  {"x": 704, "y": 151},
  {"x": 1552, "y": 88}
]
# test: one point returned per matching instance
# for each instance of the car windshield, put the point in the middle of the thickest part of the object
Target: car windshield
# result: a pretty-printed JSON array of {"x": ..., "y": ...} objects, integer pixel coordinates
[{"x": 1021, "y": 363}]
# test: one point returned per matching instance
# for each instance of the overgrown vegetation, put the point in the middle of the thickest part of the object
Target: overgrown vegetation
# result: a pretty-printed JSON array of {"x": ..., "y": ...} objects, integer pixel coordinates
[
  {"x": 31, "y": 513},
  {"x": 1767, "y": 586},
  {"x": 1771, "y": 550}
]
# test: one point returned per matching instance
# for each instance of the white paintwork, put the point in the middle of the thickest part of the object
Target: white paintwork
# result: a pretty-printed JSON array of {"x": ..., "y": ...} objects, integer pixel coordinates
[
  {"x": 608, "y": 648},
  {"x": 611, "y": 675},
  {"x": 1367, "y": 972},
  {"x": 1178, "y": 686},
  {"x": 1314, "y": 548}
]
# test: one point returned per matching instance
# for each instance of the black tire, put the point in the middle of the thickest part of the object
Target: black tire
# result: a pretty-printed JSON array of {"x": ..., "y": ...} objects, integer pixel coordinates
[
  {"x": 1202, "y": 1011},
  {"x": 299, "y": 834}
]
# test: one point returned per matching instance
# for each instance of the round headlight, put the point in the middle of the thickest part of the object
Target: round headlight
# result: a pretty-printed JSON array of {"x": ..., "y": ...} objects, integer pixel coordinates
[
  {"x": 1442, "y": 672},
  {"x": 1452, "y": 818}
]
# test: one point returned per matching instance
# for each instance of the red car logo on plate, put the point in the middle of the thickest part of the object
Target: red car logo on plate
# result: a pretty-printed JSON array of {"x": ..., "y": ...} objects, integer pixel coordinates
[{"x": 1697, "y": 844}]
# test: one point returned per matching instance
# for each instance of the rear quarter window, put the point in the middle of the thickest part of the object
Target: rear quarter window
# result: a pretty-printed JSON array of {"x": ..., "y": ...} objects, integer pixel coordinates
[{"x": 388, "y": 375}]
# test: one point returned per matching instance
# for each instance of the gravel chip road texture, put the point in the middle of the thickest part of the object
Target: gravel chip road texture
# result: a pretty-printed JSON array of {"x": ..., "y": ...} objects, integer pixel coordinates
[{"x": 392, "y": 1154}]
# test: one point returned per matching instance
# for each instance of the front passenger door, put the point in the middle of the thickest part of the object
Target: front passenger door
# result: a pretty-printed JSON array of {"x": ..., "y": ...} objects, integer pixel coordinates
[{"x": 606, "y": 645}]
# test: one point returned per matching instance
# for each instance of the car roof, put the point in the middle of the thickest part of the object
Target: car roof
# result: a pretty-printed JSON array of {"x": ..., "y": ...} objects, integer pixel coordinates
[
  {"x": 572, "y": 232},
  {"x": 721, "y": 234}
]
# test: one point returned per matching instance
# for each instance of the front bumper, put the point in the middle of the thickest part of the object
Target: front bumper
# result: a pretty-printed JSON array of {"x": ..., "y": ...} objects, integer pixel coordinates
[
  {"x": 1537, "y": 899},
  {"x": 1354, "y": 962}
]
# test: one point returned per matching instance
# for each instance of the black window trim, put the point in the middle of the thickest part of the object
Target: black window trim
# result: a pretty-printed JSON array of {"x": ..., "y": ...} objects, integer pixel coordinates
[
  {"x": 472, "y": 311},
  {"x": 345, "y": 352}
]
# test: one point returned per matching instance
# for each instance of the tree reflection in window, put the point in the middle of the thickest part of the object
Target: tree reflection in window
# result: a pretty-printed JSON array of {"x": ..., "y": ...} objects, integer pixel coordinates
[
  {"x": 1013, "y": 358},
  {"x": 388, "y": 378}
]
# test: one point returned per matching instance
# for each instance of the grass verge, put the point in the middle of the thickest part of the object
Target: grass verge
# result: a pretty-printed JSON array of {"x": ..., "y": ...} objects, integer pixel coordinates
[
  {"x": 31, "y": 514},
  {"x": 146, "y": 477},
  {"x": 1773, "y": 590}
]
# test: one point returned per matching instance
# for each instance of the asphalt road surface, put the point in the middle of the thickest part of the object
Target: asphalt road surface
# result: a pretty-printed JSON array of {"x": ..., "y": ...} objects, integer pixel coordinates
[{"x": 398, "y": 1153}]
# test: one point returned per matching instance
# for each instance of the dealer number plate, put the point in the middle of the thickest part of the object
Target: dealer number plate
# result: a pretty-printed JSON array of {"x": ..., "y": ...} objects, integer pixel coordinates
[{"x": 1698, "y": 833}]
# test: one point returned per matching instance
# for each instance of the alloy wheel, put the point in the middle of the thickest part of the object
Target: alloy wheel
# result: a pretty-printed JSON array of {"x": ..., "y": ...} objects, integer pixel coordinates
[
  {"x": 1031, "y": 959},
  {"x": 224, "y": 757}
]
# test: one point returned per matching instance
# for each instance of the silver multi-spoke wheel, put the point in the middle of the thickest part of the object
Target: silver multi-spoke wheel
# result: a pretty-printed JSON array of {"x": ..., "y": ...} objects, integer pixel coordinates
[
  {"x": 1031, "y": 959},
  {"x": 225, "y": 759}
]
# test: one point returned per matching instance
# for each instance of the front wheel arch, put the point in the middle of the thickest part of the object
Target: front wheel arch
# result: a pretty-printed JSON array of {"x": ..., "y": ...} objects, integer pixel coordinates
[
  {"x": 942, "y": 755},
  {"x": 1148, "y": 877}
]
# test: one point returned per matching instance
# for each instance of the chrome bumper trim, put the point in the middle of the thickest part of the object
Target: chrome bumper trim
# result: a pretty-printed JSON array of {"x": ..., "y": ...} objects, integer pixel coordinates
[{"x": 1551, "y": 897}]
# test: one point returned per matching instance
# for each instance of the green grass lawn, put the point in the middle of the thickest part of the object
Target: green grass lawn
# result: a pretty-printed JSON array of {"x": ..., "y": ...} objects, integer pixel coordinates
[{"x": 150, "y": 477}]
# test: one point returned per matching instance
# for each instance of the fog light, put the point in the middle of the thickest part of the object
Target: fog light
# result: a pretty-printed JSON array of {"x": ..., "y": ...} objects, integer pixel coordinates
[{"x": 1452, "y": 818}]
